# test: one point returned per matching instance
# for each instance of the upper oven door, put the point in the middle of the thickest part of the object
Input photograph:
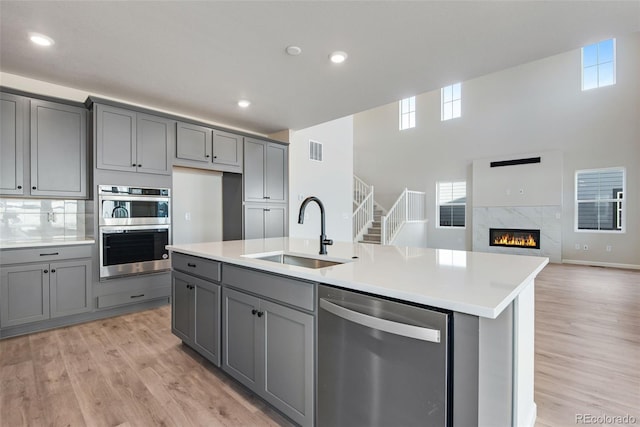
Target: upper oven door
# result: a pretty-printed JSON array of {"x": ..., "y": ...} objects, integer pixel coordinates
[{"x": 134, "y": 210}]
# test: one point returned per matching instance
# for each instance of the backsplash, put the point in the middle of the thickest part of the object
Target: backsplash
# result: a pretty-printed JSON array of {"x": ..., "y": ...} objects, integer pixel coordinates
[{"x": 36, "y": 219}]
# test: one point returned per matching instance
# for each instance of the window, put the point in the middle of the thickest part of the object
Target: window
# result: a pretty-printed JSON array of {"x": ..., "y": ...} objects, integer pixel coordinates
[
  {"x": 599, "y": 64},
  {"x": 451, "y": 106},
  {"x": 408, "y": 113},
  {"x": 600, "y": 204},
  {"x": 452, "y": 201}
]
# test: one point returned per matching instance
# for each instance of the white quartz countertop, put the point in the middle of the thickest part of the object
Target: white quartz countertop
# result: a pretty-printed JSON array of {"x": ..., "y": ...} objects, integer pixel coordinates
[
  {"x": 476, "y": 283},
  {"x": 42, "y": 243}
]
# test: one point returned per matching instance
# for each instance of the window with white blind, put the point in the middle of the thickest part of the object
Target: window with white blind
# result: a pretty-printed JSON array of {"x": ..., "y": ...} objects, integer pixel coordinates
[
  {"x": 407, "y": 110},
  {"x": 599, "y": 64},
  {"x": 452, "y": 203},
  {"x": 451, "y": 102},
  {"x": 600, "y": 204}
]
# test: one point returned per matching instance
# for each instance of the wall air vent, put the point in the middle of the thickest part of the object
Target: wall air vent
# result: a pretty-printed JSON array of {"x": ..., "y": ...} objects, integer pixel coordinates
[{"x": 315, "y": 150}]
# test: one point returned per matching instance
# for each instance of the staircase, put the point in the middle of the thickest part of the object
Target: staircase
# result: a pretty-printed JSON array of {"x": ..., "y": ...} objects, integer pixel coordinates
[
  {"x": 372, "y": 225},
  {"x": 374, "y": 232}
]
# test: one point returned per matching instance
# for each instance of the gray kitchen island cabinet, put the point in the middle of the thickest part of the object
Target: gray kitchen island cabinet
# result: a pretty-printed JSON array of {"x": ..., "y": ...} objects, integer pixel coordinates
[
  {"x": 196, "y": 314},
  {"x": 132, "y": 141},
  {"x": 268, "y": 346},
  {"x": 35, "y": 292}
]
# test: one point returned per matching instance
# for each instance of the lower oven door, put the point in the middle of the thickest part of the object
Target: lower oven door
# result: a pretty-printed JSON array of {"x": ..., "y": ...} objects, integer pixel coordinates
[{"x": 134, "y": 250}]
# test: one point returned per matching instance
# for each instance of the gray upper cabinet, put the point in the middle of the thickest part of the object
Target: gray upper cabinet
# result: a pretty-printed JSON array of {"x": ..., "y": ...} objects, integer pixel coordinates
[
  {"x": 193, "y": 144},
  {"x": 155, "y": 138},
  {"x": 205, "y": 148},
  {"x": 133, "y": 142},
  {"x": 58, "y": 150},
  {"x": 265, "y": 171},
  {"x": 227, "y": 151},
  {"x": 12, "y": 116}
]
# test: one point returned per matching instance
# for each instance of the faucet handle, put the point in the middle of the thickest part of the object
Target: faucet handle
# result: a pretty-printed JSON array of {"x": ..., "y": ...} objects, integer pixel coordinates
[{"x": 328, "y": 242}]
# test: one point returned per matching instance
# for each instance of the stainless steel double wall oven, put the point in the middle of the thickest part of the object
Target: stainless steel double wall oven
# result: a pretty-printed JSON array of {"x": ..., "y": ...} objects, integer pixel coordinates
[{"x": 135, "y": 227}]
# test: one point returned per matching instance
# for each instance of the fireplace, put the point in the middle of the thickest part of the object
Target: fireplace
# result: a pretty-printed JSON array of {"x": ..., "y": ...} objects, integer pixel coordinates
[{"x": 514, "y": 237}]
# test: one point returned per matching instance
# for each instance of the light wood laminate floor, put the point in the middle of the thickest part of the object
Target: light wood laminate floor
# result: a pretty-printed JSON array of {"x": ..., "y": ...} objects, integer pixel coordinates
[{"x": 131, "y": 371}]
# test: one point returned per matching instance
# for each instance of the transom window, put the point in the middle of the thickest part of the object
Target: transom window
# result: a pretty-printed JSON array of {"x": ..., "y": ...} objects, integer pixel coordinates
[
  {"x": 452, "y": 202},
  {"x": 599, "y": 64},
  {"x": 600, "y": 204},
  {"x": 451, "y": 106},
  {"x": 408, "y": 113}
]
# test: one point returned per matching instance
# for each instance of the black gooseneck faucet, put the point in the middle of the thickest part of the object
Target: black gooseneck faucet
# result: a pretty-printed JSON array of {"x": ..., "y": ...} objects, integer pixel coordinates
[{"x": 323, "y": 238}]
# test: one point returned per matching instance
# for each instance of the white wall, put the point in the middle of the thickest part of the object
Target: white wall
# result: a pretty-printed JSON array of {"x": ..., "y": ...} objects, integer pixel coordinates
[
  {"x": 330, "y": 180},
  {"x": 197, "y": 206},
  {"x": 534, "y": 107}
]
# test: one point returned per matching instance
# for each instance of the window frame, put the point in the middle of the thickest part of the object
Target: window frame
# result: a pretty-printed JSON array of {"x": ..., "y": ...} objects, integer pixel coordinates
[
  {"x": 410, "y": 113},
  {"x": 597, "y": 65},
  {"x": 621, "y": 203},
  {"x": 453, "y": 99},
  {"x": 451, "y": 227}
]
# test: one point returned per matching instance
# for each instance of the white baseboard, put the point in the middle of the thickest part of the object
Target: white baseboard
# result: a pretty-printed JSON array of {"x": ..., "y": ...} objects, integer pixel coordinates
[{"x": 602, "y": 264}]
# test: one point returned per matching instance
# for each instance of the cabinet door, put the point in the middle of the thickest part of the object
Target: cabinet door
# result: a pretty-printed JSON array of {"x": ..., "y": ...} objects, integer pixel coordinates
[
  {"x": 70, "y": 287},
  {"x": 24, "y": 294},
  {"x": 12, "y": 112},
  {"x": 58, "y": 150},
  {"x": 227, "y": 150},
  {"x": 206, "y": 334},
  {"x": 289, "y": 355},
  {"x": 275, "y": 221},
  {"x": 276, "y": 171},
  {"x": 181, "y": 307},
  {"x": 254, "y": 221},
  {"x": 254, "y": 158},
  {"x": 155, "y": 139},
  {"x": 241, "y": 338},
  {"x": 193, "y": 143},
  {"x": 115, "y": 138}
]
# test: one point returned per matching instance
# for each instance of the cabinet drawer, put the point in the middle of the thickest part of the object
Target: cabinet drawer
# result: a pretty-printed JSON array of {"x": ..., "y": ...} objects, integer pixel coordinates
[
  {"x": 132, "y": 297},
  {"x": 290, "y": 291},
  {"x": 206, "y": 268},
  {"x": 44, "y": 254}
]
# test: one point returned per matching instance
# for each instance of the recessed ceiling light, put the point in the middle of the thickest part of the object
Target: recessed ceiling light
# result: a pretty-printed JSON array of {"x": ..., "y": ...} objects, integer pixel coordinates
[
  {"x": 243, "y": 103},
  {"x": 40, "y": 39},
  {"x": 338, "y": 57},
  {"x": 293, "y": 50}
]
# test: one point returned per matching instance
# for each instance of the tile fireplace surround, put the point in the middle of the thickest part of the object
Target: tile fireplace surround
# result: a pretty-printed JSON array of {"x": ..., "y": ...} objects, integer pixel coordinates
[{"x": 545, "y": 218}]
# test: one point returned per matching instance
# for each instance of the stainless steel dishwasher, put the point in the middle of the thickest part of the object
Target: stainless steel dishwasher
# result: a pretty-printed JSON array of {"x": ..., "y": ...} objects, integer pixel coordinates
[{"x": 380, "y": 362}]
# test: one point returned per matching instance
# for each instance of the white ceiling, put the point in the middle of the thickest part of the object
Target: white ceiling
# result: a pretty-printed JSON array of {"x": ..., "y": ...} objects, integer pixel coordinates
[{"x": 199, "y": 58}]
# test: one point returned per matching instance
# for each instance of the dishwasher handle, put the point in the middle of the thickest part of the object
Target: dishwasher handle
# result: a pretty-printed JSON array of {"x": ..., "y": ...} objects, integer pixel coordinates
[{"x": 402, "y": 329}]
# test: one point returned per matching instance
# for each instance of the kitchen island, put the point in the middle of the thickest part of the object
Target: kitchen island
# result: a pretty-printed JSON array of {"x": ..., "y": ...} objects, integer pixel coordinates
[{"x": 491, "y": 297}]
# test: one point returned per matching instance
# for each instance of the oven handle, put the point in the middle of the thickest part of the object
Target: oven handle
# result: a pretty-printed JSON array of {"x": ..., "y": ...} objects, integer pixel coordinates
[
  {"x": 402, "y": 329},
  {"x": 135, "y": 198}
]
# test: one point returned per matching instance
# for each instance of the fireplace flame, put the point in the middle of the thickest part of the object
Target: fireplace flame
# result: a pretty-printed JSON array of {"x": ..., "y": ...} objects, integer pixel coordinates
[{"x": 510, "y": 240}]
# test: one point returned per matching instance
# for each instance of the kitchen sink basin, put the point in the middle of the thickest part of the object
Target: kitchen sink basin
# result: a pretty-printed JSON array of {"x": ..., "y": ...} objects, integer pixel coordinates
[{"x": 299, "y": 261}]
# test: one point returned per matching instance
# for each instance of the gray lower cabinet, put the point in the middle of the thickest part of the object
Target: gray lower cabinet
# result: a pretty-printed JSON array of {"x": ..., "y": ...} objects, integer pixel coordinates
[
  {"x": 35, "y": 292},
  {"x": 195, "y": 314},
  {"x": 133, "y": 142},
  {"x": 270, "y": 348},
  {"x": 264, "y": 221},
  {"x": 12, "y": 116}
]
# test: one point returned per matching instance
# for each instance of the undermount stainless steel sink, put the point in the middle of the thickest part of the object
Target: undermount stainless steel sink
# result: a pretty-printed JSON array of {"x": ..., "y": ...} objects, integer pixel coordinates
[{"x": 299, "y": 260}]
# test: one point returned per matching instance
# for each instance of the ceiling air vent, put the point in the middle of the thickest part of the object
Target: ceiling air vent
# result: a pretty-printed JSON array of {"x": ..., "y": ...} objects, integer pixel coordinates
[{"x": 315, "y": 151}]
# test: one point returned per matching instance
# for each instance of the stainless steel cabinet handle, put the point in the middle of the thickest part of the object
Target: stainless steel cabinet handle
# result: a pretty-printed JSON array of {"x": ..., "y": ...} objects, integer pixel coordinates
[{"x": 402, "y": 329}]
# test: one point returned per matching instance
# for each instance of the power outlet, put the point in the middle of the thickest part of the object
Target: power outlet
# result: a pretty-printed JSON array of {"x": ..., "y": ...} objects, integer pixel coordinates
[
  {"x": 608, "y": 248},
  {"x": 585, "y": 247}
]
